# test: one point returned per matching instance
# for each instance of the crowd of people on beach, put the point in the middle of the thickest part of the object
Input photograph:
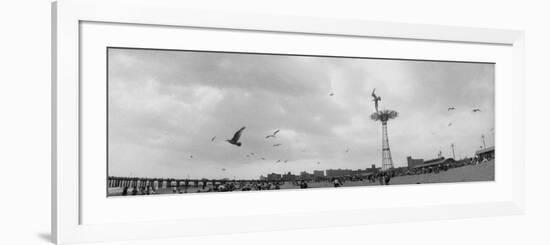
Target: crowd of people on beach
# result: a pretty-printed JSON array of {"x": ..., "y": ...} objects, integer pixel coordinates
[
  {"x": 382, "y": 178},
  {"x": 144, "y": 190},
  {"x": 445, "y": 167}
]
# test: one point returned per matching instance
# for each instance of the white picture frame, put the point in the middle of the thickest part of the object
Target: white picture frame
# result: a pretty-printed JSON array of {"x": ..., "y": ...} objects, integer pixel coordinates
[{"x": 68, "y": 17}]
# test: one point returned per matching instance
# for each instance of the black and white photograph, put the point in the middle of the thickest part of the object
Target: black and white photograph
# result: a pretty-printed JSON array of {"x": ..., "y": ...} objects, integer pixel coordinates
[
  {"x": 185, "y": 121},
  {"x": 275, "y": 122}
]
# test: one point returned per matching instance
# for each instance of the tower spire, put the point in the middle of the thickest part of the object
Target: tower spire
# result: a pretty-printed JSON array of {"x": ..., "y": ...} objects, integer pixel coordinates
[{"x": 383, "y": 116}]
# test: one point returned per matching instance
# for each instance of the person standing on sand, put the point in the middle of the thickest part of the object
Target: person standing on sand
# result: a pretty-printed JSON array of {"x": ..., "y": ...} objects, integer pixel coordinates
[
  {"x": 303, "y": 185},
  {"x": 125, "y": 191},
  {"x": 387, "y": 179},
  {"x": 336, "y": 182}
]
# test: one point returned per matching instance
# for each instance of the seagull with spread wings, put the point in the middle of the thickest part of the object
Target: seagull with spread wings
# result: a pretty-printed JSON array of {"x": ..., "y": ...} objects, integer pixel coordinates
[
  {"x": 236, "y": 137},
  {"x": 451, "y": 109},
  {"x": 476, "y": 110},
  {"x": 274, "y": 135}
]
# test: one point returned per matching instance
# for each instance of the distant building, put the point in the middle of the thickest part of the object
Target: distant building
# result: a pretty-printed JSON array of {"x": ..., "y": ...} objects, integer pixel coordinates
[
  {"x": 289, "y": 177},
  {"x": 487, "y": 153},
  {"x": 263, "y": 177},
  {"x": 411, "y": 162},
  {"x": 274, "y": 177},
  {"x": 305, "y": 175},
  {"x": 437, "y": 162},
  {"x": 338, "y": 172},
  {"x": 373, "y": 169},
  {"x": 318, "y": 173}
]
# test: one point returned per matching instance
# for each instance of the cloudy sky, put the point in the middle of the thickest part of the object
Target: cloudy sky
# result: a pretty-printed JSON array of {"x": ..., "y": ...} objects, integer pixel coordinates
[{"x": 165, "y": 106}]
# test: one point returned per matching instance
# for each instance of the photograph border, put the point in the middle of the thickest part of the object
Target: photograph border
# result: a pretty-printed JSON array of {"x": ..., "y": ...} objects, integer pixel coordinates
[
  {"x": 66, "y": 18},
  {"x": 268, "y": 54}
]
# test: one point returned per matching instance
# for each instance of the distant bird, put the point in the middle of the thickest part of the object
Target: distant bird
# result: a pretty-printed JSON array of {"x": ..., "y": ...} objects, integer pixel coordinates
[
  {"x": 331, "y": 94},
  {"x": 274, "y": 135},
  {"x": 191, "y": 156},
  {"x": 262, "y": 158},
  {"x": 278, "y": 161},
  {"x": 236, "y": 137},
  {"x": 252, "y": 153},
  {"x": 476, "y": 110},
  {"x": 347, "y": 150},
  {"x": 276, "y": 145},
  {"x": 213, "y": 138},
  {"x": 285, "y": 161},
  {"x": 448, "y": 125},
  {"x": 223, "y": 169},
  {"x": 451, "y": 109}
]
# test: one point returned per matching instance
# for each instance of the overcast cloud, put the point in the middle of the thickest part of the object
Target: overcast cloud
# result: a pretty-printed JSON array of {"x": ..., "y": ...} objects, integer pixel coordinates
[{"x": 165, "y": 106}]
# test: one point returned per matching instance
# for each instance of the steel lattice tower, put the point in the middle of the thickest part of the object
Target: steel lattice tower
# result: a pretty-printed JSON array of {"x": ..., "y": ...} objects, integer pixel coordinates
[
  {"x": 387, "y": 162},
  {"x": 383, "y": 117}
]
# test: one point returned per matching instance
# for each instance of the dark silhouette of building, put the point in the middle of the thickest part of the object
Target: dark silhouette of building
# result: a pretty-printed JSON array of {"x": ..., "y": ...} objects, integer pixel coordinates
[
  {"x": 274, "y": 177},
  {"x": 289, "y": 177},
  {"x": 487, "y": 153},
  {"x": 318, "y": 173},
  {"x": 411, "y": 162},
  {"x": 437, "y": 162}
]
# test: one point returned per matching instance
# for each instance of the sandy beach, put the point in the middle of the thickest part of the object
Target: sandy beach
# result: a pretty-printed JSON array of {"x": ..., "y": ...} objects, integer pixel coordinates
[{"x": 480, "y": 172}]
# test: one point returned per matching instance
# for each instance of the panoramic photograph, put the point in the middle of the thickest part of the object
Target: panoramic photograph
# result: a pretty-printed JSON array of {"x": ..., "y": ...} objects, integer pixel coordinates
[{"x": 184, "y": 121}]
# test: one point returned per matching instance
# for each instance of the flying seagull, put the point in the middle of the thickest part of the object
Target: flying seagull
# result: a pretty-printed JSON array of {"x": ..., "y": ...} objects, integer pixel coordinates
[
  {"x": 285, "y": 161},
  {"x": 236, "y": 137},
  {"x": 263, "y": 158},
  {"x": 190, "y": 156},
  {"x": 476, "y": 110},
  {"x": 223, "y": 169},
  {"x": 213, "y": 138},
  {"x": 449, "y": 124},
  {"x": 272, "y": 135},
  {"x": 451, "y": 109},
  {"x": 276, "y": 145},
  {"x": 278, "y": 161},
  {"x": 331, "y": 94}
]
